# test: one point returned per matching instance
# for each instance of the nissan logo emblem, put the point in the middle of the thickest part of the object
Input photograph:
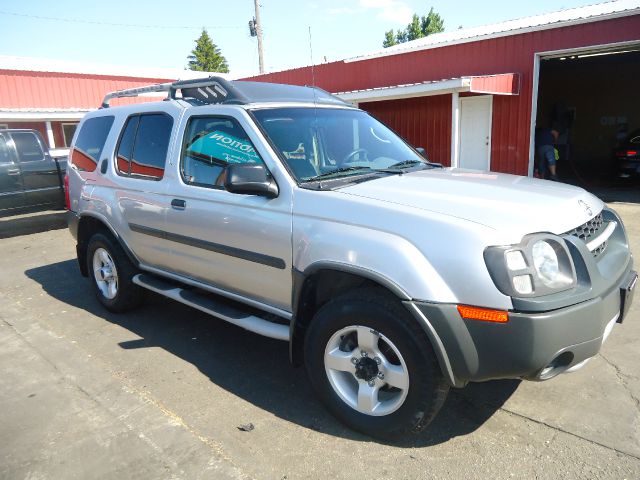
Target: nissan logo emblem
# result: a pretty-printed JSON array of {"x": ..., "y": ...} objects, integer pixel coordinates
[{"x": 586, "y": 207}]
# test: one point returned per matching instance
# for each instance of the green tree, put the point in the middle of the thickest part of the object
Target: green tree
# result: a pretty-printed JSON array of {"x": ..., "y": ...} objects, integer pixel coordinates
[
  {"x": 418, "y": 28},
  {"x": 206, "y": 57},
  {"x": 389, "y": 39},
  {"x": 414, "y": 29},
  {"x": 432, "y": 23}
]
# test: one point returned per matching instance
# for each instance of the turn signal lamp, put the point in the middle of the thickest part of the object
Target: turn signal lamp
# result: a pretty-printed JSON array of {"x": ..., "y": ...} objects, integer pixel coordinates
[
  {"x": 483, "y": 314},
  {"x": 515, "y": 260}
]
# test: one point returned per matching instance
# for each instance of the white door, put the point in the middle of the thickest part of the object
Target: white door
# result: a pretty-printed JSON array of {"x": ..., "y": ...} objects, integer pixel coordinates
[{"x": 475, "y": 132}]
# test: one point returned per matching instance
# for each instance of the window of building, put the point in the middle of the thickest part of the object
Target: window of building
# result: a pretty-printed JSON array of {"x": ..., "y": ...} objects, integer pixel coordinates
[
  {"x": 90, "y": 143},
  {"x": 4, "y": 125},
  {"x": 210, "y": 144},
  {"x": 68, "y": 129},
  {"x": 144, "y": 144}
]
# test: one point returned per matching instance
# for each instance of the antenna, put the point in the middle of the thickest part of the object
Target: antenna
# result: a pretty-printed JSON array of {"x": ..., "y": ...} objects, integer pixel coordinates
[{"x": 313, "y": 71}]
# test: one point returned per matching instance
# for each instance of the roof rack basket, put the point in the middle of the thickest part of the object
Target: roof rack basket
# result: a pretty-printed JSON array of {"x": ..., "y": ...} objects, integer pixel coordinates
[{"x": 205, "y": 90}]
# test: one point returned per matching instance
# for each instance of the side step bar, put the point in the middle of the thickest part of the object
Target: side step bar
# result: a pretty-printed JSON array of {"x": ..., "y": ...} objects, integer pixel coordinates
[{"x": 212, "y": 307}]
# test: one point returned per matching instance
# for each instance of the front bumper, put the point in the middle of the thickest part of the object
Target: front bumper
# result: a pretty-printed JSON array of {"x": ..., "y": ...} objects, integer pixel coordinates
[{"x": 534, "y": 346}]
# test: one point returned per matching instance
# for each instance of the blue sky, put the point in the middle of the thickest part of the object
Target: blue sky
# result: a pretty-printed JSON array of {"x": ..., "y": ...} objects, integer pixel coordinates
[{"x": 163, "y": 32}]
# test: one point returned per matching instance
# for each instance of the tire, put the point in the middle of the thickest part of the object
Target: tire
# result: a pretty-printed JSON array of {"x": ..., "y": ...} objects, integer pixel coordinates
[
  {"x": 395, "y": 387},
  {"x": 111, "y": 273}
]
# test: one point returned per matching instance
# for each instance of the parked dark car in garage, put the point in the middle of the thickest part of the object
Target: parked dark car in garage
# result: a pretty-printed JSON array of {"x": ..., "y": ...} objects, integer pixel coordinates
[
  {"x": 30, "y": 178},
  {"x": 627, "y": 156}
]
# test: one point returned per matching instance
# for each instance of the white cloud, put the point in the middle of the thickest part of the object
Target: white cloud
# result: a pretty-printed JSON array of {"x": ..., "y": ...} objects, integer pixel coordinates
[
  {"x": 378, "y": 3},
  {"x": 341, "y": 11},
  {"x": 394, "y": 11}
]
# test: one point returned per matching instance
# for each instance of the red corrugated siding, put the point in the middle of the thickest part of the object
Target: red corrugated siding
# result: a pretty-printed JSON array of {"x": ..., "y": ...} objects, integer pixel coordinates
[
  {"x": 423, "y": 122},
  {"x": 508, "y": 83},
  {"x": 41, "y": 90},
  {"x": 515, "y": 53}
]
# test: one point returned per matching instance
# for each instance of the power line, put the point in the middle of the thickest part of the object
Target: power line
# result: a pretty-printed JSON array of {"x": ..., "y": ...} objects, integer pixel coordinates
[{"x": 110, "y": 24}]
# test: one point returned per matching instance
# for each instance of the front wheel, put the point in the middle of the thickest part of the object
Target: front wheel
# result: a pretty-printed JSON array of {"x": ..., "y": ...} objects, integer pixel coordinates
[
  {"x": 372, "y": 366},
  {"x": 112, "y": 274}
]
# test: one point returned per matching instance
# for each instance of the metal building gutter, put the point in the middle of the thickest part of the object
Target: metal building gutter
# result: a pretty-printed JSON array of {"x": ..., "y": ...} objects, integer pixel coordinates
[
  {"x": 19, "y": 114},
  {"x": 501, "y": 84}
]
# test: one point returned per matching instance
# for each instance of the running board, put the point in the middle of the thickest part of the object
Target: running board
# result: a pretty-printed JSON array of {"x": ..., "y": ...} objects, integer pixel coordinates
[{"x": 212, "y": 307}]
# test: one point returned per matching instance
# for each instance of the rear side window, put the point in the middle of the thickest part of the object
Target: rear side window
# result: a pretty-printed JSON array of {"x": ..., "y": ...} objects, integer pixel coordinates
[
  {"x": 6, "y": 152},
  {"x": 27, "y": 146},
  {"x": 143, "y": 147},
  {"x": 125, "y": 147},
  {"x": 90, "y": 143}
]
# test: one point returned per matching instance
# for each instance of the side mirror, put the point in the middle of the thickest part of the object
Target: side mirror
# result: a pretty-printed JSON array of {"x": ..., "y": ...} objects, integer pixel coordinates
[
  {"x": 250, "y": 179},
  {"x": 422, "y": 152}
]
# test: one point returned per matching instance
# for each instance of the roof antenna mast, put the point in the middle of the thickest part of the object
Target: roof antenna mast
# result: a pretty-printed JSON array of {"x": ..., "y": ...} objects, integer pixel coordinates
[{"x": 313, "y": 71}]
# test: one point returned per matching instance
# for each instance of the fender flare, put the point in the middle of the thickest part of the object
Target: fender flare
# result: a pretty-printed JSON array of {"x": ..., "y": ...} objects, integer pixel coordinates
[
  {"x": 299, "y": 279},
  {"x": 81, "y": 248}
]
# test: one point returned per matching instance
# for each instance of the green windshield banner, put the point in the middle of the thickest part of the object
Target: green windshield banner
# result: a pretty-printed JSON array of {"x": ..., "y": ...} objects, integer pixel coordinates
[{"x": 225, "y": 147}]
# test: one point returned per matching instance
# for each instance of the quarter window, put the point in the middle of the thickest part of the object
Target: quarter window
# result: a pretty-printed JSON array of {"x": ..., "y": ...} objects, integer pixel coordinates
[
  {"x": 144, "y": 144},
  {"x": 90, "y": 142},
  {"x": 209, "y": 146}
]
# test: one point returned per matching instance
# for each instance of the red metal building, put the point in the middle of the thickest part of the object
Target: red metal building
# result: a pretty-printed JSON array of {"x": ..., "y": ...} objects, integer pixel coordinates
[
  {"x": 471, "y": 97},
  {"x": 51, "y": 96}
]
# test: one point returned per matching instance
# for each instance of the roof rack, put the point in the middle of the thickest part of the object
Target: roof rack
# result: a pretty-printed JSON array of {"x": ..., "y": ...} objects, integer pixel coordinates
[
  {"x": 202, "y": 91},
  {"x": 134, "y": 92},
  {"x": 206, "y": 90}
]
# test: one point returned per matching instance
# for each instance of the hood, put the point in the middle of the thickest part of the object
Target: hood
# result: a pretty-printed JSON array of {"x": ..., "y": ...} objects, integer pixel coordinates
[{"x": 509, "y": 203}]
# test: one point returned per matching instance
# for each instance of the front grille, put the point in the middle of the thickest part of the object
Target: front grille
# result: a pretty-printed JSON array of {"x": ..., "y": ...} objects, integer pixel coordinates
[{"x": 588, "y": 230}]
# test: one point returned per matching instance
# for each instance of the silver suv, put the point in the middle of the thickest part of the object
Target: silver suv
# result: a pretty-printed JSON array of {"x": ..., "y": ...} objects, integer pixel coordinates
[{"x": 294, "y": 215}]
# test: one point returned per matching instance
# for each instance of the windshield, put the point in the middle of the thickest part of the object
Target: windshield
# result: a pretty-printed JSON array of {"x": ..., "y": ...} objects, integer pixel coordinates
[{"x": 323, "y": 143}]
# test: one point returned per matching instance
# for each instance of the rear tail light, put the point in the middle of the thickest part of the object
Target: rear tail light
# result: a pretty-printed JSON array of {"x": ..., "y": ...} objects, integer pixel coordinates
[
  {"x": 626, "y": 153},
  {"x": 67, "y": 200}
]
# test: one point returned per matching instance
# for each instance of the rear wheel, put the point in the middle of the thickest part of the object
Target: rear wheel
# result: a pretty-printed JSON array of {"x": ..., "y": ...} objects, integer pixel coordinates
[
  {"x": 373, "y": 366},
  {"x": 111, "y": 273}
]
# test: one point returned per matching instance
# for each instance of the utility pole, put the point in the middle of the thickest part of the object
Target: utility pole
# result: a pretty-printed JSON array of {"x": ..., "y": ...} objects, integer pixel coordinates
[{"x": 258, "y": 33}]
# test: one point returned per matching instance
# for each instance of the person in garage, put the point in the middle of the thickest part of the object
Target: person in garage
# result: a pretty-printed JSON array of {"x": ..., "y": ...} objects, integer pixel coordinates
[{"x": 545, "y": 141}]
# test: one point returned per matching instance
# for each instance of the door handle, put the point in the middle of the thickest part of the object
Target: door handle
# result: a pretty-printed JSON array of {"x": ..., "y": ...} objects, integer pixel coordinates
[
  {"x": 178, "y": 204},
  {"x": 13, "y": 172}
]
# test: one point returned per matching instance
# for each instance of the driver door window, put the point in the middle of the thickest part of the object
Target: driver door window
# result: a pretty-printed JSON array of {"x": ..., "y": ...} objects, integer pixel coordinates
[{"x": 210, "y": 145}]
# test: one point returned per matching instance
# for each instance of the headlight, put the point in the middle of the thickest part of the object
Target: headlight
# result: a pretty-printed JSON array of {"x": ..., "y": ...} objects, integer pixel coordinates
[
  {"x": 539, "y": 265},
  {"x": 545, "y": 261}
]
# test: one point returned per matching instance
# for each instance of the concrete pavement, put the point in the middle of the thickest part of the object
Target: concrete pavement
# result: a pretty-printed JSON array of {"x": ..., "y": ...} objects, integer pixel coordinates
[{"x": 160, "y": 392}]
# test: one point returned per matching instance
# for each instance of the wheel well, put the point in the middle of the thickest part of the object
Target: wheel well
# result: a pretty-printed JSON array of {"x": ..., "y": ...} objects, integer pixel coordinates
[
  {"x": 87, "y": 227},
  {"x": 317, "y": 289}
]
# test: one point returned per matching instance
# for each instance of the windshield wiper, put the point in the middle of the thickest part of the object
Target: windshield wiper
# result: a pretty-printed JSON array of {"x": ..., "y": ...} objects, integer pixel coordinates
[
  {"x": 404, "y": 163},
  {"x": 339, "y": 170}
]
